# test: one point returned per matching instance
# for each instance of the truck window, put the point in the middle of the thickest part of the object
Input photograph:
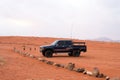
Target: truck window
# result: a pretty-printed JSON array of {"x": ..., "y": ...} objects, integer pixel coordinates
[
  {"x": 68, "y": 43},
  {"x": 60, "y": 43}
]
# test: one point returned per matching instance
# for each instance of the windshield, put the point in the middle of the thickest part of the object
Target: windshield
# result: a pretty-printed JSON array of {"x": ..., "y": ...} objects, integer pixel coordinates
[{"x": 54, "y": 42}]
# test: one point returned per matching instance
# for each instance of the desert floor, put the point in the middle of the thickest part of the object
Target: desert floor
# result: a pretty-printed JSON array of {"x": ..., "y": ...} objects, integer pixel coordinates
[{"x": 13, "y": 66}]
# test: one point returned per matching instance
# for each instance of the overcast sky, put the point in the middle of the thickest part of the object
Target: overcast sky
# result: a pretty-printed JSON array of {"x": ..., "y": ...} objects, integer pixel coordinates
[{"x": 82, "y": 19}]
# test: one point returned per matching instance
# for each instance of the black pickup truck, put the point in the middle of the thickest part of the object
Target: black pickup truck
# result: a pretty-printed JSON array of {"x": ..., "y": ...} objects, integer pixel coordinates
[{"x": 64, "y": 46}]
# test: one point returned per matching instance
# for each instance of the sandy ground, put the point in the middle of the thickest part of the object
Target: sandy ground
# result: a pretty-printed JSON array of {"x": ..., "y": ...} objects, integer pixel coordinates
[{"x": 104, "y": 55}]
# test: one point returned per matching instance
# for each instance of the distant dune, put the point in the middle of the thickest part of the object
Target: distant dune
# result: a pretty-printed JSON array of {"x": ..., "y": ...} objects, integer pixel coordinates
[{"x": 105, "y": 39}]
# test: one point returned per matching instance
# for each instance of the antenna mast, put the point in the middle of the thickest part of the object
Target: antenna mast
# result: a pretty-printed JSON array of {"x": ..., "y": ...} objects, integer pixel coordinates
[{"x": 71, "y": 31}]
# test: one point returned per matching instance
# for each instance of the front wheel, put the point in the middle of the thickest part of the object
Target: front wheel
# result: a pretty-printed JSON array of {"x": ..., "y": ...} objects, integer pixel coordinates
[
  {"x": 70, "y": 54},
  {"x": 48, "y": 53},
  {"x": 43, "y": 53},
  {"x": 76, "y": 53}
]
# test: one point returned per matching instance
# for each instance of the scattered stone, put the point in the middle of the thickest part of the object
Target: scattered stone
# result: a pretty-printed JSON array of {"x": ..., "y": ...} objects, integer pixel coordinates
[
  {"x": 42, "y": 60},
  {"x": 50, "y": 62},
  {"x": 36, "y": 57},
  {"x": 95, "y": 72},
  {"x": 115, "y": 78},
  {"x": 70, "y": 66},
  {"x": 85, "y": 72},
  {"x": 107, "y": 78},
  {"x": 24, "y": 54},
  {"x": 58, "y": 65},
  {"x": 88, "y": 73},
  {"x": 62, "y": 66},
  {"x": 39, "y": 58},
  {"x": 101, "y": 75},
  {"x": 75, "y": 69},
  {"x": 18, "y": 51},
  {"x": 27, "y": 54},
  {"x": 80, "y": 70},
  {"x": 31, "y": 56},
  {"x": 54, "y": 64}
]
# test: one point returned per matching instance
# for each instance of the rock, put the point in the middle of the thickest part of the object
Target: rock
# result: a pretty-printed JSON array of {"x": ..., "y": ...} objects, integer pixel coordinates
[
  {"x": 62, "y": 66},
  {"x": 85, "y": 72},
  {"x": 70, "y": 66},
  {"x": 36, "y": 57},
  {"x": 42, "y": 60},
  {"x": 50, "y": 62},
  {"x": 24, "y": 54},
  {"x": 31, "y": 56},
  {"x": 101, "y": 75},
  {"x": 89, "y": 73},
  {"x": 115, "y": 78},
  {"x": 18, "y": 51},
  {"x": 39, "y": 58},
  {"x": 80, "y": 70},
  {"x": 107, "y": 78},
  {"x": 27, "y": 54},
  {"x": 95, "y": 72},
  {"x": 54, "y": 63},
  {"x": 58, "y": 65},
  {"x": 75, "y": 69}
]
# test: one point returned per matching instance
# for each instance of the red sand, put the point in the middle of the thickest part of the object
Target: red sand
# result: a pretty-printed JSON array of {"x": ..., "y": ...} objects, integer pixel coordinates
[{"x": 104, "y": 55}]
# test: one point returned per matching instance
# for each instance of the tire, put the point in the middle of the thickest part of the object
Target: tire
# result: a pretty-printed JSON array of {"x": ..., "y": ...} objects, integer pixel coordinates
[
  {"x": 48, "y": 53},
  {"x": 43, "y": 53},
  {"x": 76, "y": 53},
  {"x": 70, "y": 54}
]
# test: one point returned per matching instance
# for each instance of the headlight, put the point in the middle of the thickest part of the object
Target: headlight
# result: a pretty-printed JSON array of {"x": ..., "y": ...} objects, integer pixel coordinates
[{"x": 41, "y": 48}]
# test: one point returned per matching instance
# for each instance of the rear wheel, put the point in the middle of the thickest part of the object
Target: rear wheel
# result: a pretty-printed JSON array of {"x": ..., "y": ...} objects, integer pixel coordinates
[
  {"x": 76, "y": 53},
  {"x": 48, "y": 53},
  {"x": 70, "y": 54}
]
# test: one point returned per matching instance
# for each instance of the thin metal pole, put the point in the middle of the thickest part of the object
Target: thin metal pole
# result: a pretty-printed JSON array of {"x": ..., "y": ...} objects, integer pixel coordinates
[{"x": 72, "y": 31}]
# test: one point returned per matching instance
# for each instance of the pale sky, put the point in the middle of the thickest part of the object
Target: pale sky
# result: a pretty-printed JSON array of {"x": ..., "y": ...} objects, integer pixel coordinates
[{"x": 82, "y": 19}]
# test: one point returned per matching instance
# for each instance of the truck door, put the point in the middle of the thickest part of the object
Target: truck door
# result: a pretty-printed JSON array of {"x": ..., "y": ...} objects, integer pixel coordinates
[
  {"x": 67, "y": 45},
  {"x": 60, "y": 47}
]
